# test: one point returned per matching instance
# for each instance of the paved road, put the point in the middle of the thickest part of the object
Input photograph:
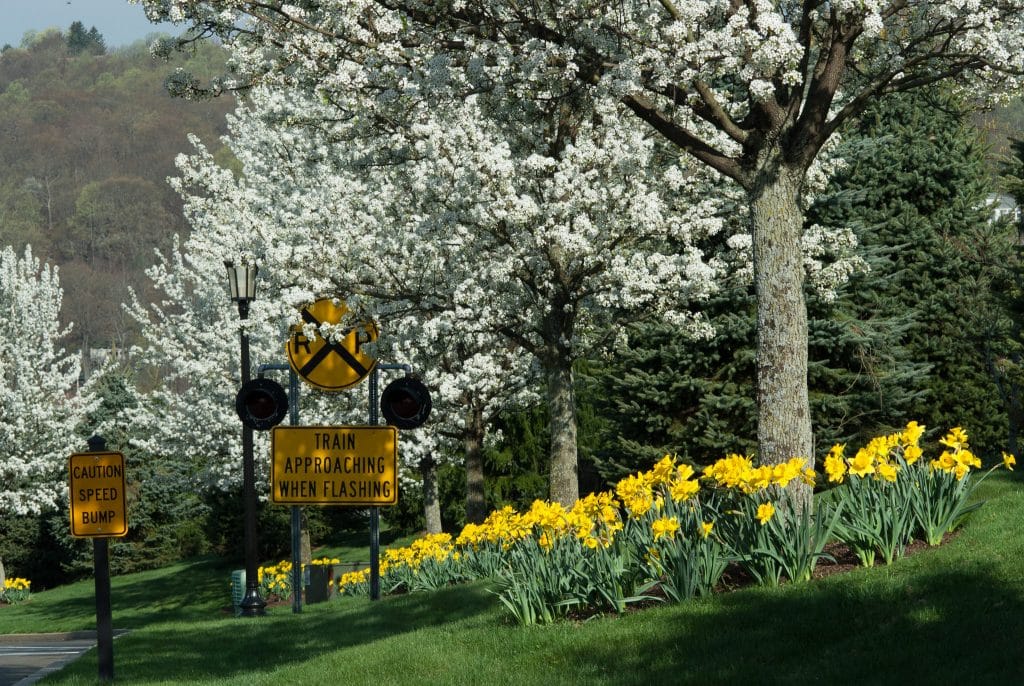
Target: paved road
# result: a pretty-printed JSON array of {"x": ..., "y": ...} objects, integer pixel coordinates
[{"x": 26, "y": 658}]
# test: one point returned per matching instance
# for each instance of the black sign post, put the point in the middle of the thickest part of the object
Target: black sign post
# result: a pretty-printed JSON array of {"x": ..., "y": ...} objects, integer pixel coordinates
[
  {"x": 104, "y": 619},
  {"x": 406, "y": 405}
]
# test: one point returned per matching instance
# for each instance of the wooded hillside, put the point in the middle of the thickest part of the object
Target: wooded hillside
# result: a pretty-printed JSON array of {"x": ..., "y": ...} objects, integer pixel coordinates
[{"x": 87, "y": 141}]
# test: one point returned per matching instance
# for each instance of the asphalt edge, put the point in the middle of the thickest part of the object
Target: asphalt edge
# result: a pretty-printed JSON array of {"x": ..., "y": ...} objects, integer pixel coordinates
[
  {"x": 57, "y": 637},
  {"x": 83, "y": 635}
]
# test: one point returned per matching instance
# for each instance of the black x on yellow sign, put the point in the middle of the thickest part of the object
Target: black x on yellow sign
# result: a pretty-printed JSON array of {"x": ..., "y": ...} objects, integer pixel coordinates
[{"x": 327, "y": 365}]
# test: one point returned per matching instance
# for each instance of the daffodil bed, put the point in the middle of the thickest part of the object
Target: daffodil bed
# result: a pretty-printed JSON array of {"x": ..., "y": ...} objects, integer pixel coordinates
[
  {"x": 276, "y": 581},
  {"x": 671, "y": 533},
  {"x": 15, "y": 590}
]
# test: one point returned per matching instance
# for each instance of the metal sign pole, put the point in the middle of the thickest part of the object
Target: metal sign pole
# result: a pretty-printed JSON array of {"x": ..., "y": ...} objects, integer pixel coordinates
[
  {"x": 374, "y": 393},
  {"x": 104, "y": 619},
  {"x": 296, "y": 513},
  {"x": 374, "y": 511},
  {"x": 297, "y": 577}
]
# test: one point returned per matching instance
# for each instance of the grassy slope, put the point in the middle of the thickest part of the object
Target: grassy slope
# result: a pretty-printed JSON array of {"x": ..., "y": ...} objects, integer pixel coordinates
[{"x": 943, "y": 616}]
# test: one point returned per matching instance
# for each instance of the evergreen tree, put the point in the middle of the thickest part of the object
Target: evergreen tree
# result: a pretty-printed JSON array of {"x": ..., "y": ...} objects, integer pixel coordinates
[
  {"x": 1006, "y": 351},
  {"x": 916, "y": 188},
  {"x": 165, "y": 511},
  {"x": 77, "y": 38},
  {"x": 667, "y": 393},
  {"x": 80, "y": 41},
  {"x": 696, "y": 398},
  {"x": 96, "y": 45},
  {"x": 910, "y": 338}
]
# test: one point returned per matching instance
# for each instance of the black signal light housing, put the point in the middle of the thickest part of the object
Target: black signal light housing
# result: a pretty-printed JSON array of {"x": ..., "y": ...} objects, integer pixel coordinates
[
  {"x": 405, "y": 403},
  {"x": 261, "y": 404}
]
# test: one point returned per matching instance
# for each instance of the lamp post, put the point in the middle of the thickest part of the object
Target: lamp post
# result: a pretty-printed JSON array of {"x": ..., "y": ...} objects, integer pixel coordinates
[{"x": 242, "y": 281}]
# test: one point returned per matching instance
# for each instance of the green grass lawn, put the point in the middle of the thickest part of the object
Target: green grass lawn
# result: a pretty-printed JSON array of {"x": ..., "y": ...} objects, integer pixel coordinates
[{"x": 948, "y": 615}]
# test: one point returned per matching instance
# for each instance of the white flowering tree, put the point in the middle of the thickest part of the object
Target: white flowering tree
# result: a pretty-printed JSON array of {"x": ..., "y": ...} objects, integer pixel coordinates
[
  {"x": 39, "y": 410},
  {"x": 514, "y": 247},
  {"x": 321, "y": 227},
  {"x": 191, "y": 360},
  {"x": 472, "y": 380},
  {"x": 191, "y": 333},
  {"x": 751, "y": 88}
]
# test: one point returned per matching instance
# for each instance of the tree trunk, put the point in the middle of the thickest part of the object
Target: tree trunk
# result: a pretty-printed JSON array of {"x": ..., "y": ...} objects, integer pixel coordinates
[
  {"x": 431, "y": 504},
  {"x": 784, "y": 421},
  {"x": 564, "y": 482},
  {"x": 476, "y": 503},
  {"x": 305, "y": 545}
]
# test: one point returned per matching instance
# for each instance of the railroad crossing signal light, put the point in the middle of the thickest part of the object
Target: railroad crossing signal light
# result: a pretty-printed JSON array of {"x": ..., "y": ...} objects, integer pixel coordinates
[
  {"x": 405, "y": 403},
  {"x": 261, "y": 404}
]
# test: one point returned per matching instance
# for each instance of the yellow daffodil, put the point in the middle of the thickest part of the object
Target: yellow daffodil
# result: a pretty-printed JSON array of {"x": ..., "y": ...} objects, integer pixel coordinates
[
  {"x": 732, "y": 471},
  {"x": 15, "y": 583},
  {"x": 968, "y": 459},
  {"x": 666, "y": 526},
  {"x": 636, "y": 494},
  {"x": 683, "y": 489},
  {"x": 684, "y": 472},
  {"x": 835, "y": 464},
  {"x": 809, "y": 476},
  {"x": 912, "y": 434},
  {"x": 757, "y": 479},
  {"x": 862, "y": 464},
  {"x": 887, "y": 471},
  {"x": 956, "y": 438},
  {"x": 662, "y": 471},
  {"x": 785, "y": 472},
  {"x": 765, "y": 512},
  {"x": 946, "y": 462},
  {"x": 1009, "y": 460}
]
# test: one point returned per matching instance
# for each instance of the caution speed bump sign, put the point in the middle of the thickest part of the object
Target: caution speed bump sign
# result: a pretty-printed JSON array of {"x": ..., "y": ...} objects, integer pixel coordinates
[
  {"x": 330, "y": 365},
  {"x": 96, "y": 484}
]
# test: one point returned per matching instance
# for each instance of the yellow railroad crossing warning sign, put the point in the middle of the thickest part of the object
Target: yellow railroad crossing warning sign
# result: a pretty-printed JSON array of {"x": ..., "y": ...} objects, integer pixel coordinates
[
  {"x": 330, "y": 366},
  {"x": 334, "y": 465},
  {"x": 96, "y": 482}
]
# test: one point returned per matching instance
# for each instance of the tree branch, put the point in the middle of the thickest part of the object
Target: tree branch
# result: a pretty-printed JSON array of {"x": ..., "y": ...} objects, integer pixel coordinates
[{"x": 715, "y": 159}]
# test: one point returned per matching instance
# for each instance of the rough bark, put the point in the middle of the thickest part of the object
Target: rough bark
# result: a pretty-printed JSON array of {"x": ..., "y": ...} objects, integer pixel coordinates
[
  {"x": 431, "y": 504},
  {"x": 564, "y": 475},
  {"x": 476, "y": 503},
  {"x": 784, "y": 421},
  {"x": 305, "y": 545}
]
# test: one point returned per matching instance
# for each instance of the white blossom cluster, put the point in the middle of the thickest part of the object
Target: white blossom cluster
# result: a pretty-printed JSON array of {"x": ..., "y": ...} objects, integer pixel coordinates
[
  {"x": 743, "y": 52},
  {"x": 39, "y": 409}
]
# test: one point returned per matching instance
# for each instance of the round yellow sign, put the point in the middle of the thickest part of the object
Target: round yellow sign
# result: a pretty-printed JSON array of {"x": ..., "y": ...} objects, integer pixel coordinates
[{"x": 330, "y": 366}]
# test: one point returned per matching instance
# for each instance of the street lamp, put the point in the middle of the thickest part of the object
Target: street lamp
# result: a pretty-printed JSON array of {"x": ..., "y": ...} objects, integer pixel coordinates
[{"x": 242, "y": 282}]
